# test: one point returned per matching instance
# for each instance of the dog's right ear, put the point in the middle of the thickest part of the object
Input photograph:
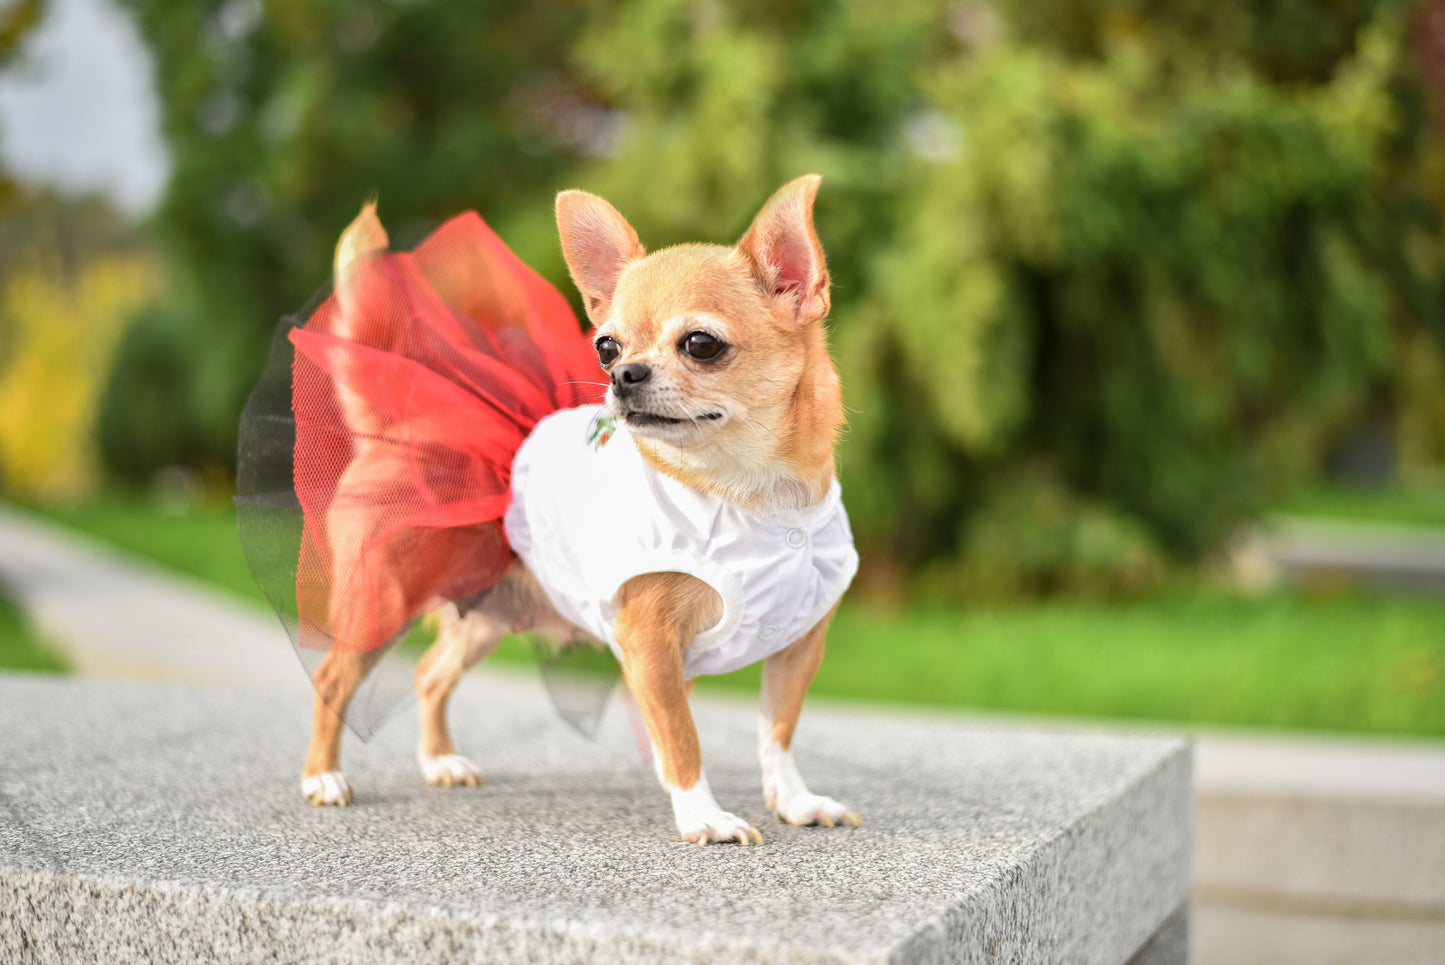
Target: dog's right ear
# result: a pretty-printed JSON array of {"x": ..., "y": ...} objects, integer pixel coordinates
[
  {"x": 598, "y": 244},
  {"x": 362, "y": 239}
]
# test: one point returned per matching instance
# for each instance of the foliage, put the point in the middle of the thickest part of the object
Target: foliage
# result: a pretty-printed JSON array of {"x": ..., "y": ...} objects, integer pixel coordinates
[
  {"x": 282, "y": 120},
  {"x": 1108, "y": 276},
  {"x": 60, "y": 334},
  {"x": 1158, "y": 284},
  {"x": 17, "y": 21}
]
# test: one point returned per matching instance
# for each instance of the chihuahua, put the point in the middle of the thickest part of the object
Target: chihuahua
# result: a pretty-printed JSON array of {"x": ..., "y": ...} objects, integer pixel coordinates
[{"x": 693, "y": 523}]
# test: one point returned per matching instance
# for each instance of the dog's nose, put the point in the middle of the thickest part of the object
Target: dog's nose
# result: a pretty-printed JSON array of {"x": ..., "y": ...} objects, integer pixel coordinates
[{"x": 628, "y": 376}]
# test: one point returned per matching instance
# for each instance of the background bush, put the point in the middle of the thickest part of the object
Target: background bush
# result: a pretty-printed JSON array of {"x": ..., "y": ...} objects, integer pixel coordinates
[
  {"x": 1109, "y": 276},
  {"x": 71, "y": 278}
]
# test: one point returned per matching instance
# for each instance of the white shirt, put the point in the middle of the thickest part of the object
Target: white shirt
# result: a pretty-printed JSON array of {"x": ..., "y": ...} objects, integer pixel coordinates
[{"x": 587, "y": 516}]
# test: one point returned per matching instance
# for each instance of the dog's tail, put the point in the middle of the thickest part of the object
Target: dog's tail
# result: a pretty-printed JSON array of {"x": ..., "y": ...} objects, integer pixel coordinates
[
  {"x": 411, "y": 389},
  {"x": 362, "y": 241}
]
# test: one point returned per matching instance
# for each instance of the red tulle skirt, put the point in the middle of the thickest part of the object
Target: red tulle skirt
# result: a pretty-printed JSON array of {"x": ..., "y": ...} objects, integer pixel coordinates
[{"x": 410, "y": 389}]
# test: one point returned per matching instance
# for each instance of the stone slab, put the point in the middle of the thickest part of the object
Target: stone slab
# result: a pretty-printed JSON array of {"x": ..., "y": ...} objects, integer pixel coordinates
[
  {"x": 1170, "y": 944},
  {"x": 164, "y": 823}
]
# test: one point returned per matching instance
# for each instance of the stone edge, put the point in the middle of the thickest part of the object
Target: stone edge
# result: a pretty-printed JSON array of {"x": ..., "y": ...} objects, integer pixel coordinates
[
  {"x": 64, "y": 918},
  {"x": 1151, "y": 870}
]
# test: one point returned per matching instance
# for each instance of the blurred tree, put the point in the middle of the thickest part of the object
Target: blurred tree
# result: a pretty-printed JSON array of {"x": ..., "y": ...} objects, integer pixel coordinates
[
  {"x": 282, "y": 119},
  {"x": 63, "y": 324},
  {"x": 72, "y": 272},
  {"x": 1165, "y": 291},
  {"x": 17, "y": 21}
]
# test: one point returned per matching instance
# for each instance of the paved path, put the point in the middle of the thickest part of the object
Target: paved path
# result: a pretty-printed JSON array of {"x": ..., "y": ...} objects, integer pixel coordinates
[{"x": 116, "y": 615}]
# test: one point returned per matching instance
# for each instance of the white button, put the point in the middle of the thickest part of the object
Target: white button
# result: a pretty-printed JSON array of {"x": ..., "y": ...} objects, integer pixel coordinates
[
  {"x": 769, "y": 632},
  {"x": 796, "y": 538}
]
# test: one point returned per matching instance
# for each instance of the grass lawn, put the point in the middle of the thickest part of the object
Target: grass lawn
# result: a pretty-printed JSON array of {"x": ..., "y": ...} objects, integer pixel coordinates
[
  {"x": 1352, "y": 663},
  {"x": 1415, "y": 504},
  {"x": 20, "y": 647}
]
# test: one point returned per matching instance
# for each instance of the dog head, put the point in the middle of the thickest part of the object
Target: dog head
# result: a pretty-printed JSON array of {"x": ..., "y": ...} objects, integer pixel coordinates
[{"x": 716, "y": 356}]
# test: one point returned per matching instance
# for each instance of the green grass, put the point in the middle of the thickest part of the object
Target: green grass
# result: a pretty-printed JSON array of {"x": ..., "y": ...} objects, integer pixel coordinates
[
  {"x": 20, "y": 647},
  {"x": 1418, "y": 504},
  {"x": 1283, "y": 660},
  {"x": 1351, "y": 663}
]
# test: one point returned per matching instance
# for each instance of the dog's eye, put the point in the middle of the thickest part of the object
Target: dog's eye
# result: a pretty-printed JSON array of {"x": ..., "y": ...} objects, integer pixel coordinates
[
  {"x": 702, "y": 346},
  {"x": 607, "y": 350}
]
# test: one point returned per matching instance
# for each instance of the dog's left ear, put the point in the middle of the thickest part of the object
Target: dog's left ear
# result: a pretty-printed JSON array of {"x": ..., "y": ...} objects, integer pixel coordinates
[{"x": 785, "y": 252}]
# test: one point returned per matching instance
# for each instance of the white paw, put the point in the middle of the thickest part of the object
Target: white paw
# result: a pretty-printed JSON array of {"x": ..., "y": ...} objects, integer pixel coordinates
[
  {"x": 785, "y": 792},
  {"x": 450, "y": 770},
  {"x": 808, "y": 808},
  {"x": 719, "y": 825},
  {"x": 700, "y": 820},
  {"x": 328, "y": 788}
]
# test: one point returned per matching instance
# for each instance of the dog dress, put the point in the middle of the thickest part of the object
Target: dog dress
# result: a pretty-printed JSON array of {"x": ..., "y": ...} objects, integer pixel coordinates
[
  {"x": 589, "y": 513},
  {"x": 376, "y": 467}
]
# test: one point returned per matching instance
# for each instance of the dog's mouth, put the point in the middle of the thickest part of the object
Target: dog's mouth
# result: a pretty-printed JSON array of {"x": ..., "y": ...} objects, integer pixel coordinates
[{"x": 640, "y": 419}]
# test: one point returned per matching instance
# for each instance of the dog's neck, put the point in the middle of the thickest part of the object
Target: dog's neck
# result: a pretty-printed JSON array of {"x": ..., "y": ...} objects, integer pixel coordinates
[
  {"x": 761, "y": 486},
  {"x": 783, "y": 464}
]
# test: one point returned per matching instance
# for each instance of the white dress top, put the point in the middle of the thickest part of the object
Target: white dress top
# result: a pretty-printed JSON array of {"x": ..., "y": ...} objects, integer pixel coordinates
[{"x": 588, "y": 514}]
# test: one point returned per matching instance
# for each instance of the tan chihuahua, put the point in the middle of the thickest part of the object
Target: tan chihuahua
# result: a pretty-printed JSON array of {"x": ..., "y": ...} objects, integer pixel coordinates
[{"x": 720, "y": 378}]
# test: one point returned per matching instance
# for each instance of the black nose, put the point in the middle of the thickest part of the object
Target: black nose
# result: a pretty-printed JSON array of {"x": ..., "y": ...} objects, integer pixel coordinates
[{"x": 628, "y": 376}]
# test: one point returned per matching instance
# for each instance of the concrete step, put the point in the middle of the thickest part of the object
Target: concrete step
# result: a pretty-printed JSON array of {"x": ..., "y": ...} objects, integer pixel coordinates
[
  {"x": 1320, "y": 850},
  {"x": 150, "y": 822},
  {"x": 1346, "y": 552}
]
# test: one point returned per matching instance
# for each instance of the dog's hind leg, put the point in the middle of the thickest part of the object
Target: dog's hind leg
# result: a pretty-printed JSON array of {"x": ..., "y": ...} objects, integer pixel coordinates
[
  {"x": 336, "y": 679},
  {"x": 468, "y": 634},
  {"x": 787, "y": 675},
  {"x": 464, "y": 640}
]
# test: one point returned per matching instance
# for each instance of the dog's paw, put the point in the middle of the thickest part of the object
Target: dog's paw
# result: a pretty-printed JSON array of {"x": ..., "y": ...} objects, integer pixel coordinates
[
  {"x": 719, "y": 825},
  {"x": 328, "y": 788},
  {"x": 785, "y": 792},
  {"x": 700, "y": 820},
  {"x": 807, "y": 808},
  {"x": 450, "y": 770}
]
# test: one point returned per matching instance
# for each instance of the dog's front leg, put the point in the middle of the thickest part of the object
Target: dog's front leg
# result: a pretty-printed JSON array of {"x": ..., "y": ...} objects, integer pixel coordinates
[
  {"x": 659, "y": 614},
  {"x": 787, "y": 675}
]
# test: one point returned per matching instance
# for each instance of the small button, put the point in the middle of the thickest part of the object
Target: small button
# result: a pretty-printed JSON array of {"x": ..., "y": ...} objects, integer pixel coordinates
[
  {"x": 796, "y": 538},
  {"x": 769, "y": 632}
]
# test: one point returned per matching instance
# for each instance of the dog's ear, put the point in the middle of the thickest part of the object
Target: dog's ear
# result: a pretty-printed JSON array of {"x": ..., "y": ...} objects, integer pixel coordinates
[
  {"x": 362, "y": 239},
  {"x": 598, "y": 244},
  {"x": 785, "y": 252}
]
